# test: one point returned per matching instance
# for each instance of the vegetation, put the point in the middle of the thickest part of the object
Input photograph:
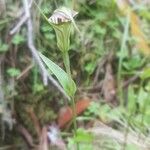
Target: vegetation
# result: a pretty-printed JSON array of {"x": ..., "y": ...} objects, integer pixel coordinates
[{"x": 76, "y": 81}]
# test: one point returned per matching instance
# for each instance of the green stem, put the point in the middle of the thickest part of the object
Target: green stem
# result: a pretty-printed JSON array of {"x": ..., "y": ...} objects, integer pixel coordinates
[
  {"x": 123, "y": 45},
  {"x": 67, "y": 66},
  {"x": 67, "y": 63},
  {"x": 74, "y": 120},
  {"x": 74, "y": 115}
]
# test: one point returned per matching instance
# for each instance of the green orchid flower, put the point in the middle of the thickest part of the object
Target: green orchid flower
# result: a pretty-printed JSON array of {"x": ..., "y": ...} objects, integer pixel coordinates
[{"x": 62, "y": 21}]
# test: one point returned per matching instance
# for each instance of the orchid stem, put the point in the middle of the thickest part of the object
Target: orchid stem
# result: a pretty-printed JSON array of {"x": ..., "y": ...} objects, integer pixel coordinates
[{"x": 67, "y": 66}]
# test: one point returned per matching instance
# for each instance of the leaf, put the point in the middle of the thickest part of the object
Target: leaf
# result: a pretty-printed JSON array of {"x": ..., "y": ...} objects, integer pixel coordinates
[
  {"x": 133, "y": 63},
  {"x": 142, "y": 97},
  {"x": 66, "y": 82},
  {"x": 18, "y": 39},
  {"x": 66, "y": 113},
  {"x": 13, "y": 72},
  {"x": 4, "y": 48},
  {"x": 90, "y": 67},
  {"x": 145, "y": 74},
  {"x": 83, "y": 136},
  {"x": 131, "y": 100}
]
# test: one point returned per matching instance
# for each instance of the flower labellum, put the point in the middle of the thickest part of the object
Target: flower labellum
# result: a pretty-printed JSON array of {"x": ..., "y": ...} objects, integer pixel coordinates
[{"x": 62, "y": 20}]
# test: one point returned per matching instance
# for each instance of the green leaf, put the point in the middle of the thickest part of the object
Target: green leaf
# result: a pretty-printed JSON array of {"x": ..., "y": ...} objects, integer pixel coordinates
[
  {"x": 18, "y": 39},
  {"x": 66, "y": 82},
  {"x": 90, "y": 67},
  {"x": 38, "y": 87},
  {"x": 3, "y": 48},
  {"x": 145, "y": 74},
  {"x": 133, "y": 63},
  {"x": 13, "y": 72},
  {"x": 132, "y": 99},
  {"x": 83, "y": 136},
  {"x": 142, "y": 97}
]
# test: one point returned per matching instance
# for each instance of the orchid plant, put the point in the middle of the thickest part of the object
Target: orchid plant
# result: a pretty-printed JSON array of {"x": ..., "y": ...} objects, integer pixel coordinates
[{"x": 62, "y": 21}]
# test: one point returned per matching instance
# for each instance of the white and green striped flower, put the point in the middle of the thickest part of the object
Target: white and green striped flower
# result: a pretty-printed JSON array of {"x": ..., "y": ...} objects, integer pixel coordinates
[
  {"x": 62, "y": 15},
  {"x": 62, "y": 20}
]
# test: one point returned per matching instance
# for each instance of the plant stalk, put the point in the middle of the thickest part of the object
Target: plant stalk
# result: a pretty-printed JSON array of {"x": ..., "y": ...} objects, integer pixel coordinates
[
  {"x": 123, "y": 45},
  {"x": 67, "y": 66},
  {"x": 67, "y": 63}
]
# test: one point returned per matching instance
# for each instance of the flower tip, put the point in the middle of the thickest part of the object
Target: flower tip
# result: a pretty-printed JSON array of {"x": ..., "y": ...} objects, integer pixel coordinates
[{"x": 74, "y": 13}]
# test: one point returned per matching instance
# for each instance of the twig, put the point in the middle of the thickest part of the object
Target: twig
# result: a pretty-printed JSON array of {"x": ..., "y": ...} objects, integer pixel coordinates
[
  {"x": 8, "y": 147},
  {"x": 43, "y": 140},
  {"x": 31, "y": 44},
  {"x": 1, "y": 85},
  {"x": 2, "y": 7},
  {"x": 26, "y": 135},
  {"x": 6, "y": 114},
  {"x": 20, "y": 23},
  {"x": 92, "y": 89},
  {"x": 23, "y": 19},
  {"x": 101, "y": 62},
  {"x": 25, "y": 71},
  {"x": 130, "y": 80},
  {"x": 34, "y": 120}
]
